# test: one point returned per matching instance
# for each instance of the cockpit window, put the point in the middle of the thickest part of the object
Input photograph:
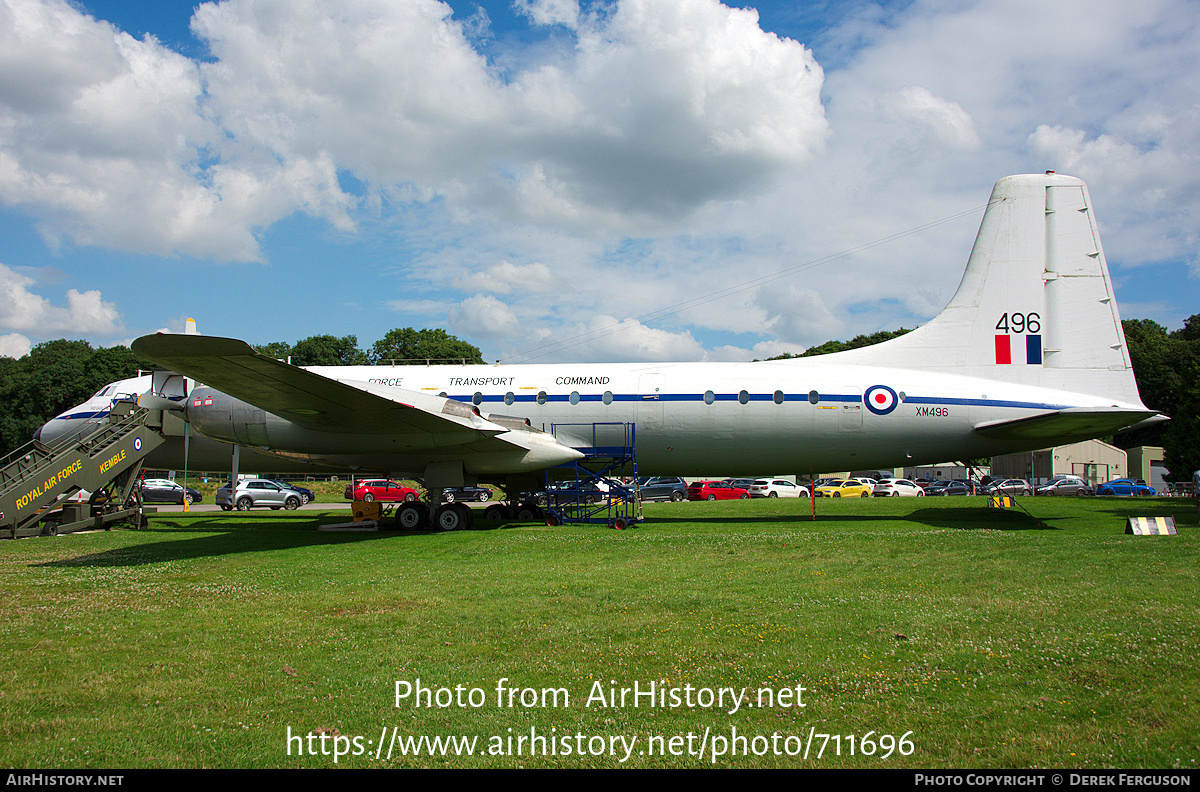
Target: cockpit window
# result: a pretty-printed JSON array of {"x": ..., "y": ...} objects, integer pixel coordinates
[{"x": 104, "y": 391}]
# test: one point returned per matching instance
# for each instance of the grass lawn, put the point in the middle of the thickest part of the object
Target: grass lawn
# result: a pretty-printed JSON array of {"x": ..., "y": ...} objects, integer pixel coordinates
[{"x": 924, "y": 632}]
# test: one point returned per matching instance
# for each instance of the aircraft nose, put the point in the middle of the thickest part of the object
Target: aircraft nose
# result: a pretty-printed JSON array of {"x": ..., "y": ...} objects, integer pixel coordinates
[{"x": 57, "y": 428}]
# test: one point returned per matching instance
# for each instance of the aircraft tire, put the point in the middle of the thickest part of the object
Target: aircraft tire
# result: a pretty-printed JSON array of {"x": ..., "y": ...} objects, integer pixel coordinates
[
  {"x": 496, "y": 511},
  {"x": 449, "y": 517},
  {"x": 409, "y": 517}
]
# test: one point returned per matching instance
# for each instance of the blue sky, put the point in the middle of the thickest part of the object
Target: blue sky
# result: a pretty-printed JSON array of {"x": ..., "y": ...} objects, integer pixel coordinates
[{"x": 636, "y": 180}]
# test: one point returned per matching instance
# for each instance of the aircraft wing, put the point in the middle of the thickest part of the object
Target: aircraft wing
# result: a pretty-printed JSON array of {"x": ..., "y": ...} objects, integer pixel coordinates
[
  {"x": 303, "y": 397},
  {"x": 1081, "y": 423}
]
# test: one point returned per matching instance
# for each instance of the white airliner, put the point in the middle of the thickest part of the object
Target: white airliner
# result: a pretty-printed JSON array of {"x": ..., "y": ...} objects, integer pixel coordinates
[{"x": 1029, "y": 353}]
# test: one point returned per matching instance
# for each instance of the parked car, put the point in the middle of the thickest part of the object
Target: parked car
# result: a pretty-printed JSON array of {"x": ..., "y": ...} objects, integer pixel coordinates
[
  {"x": 166, "y": 491},
  {"x": 946, "y": 488},
  {"x": 257, "y": 492},
  {"x": 670, "y": 488},
  {"x": 1012, "y": 487},
  {"x": 741, "y": 483},
  {"x": 715, "y": 490},
  {"x": 383, "y": 490},
  {"x": 1064, "y": 485},
  {"x": 587, "y": 492},
  {"x": 890, "y": 488},
  {"x": 452, "y": 494},
  {"x": 306, "y": 495},
  {"x": 1124, "y": 487},
  {"x": 777, "y": 488},
  {"x": 844, "y": 488}
]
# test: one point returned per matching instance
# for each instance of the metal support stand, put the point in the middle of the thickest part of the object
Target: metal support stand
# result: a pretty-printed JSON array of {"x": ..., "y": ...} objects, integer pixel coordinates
[{"x": 583, "y": 497}]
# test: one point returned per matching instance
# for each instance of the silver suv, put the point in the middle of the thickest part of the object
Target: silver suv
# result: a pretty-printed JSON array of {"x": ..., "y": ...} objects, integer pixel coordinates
[
  {"x": 1065, "y": 485},
  {"x": 258, "y": 492}
]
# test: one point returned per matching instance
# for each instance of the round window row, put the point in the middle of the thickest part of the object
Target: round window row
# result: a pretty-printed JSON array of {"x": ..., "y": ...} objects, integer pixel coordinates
[{"x": 607, "y": 398}]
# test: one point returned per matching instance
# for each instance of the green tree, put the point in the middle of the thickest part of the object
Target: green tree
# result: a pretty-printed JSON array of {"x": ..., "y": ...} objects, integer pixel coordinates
[
  {"x": 53, "y": 377},
  {"x": 275, "y": 349},
  {"x": 434, "y": 345},
  {"x": 1181, "y": 442},
  {"x": 830, "y": 347},
  {"x": 327, "y": 350}
]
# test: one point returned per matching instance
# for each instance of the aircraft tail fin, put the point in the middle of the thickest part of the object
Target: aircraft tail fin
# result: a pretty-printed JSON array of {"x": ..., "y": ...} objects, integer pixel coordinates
[{"x": 1035, "y": 305}]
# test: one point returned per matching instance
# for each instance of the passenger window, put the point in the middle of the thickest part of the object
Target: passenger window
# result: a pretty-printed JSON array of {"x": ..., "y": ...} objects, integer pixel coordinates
[
  {"x": 608, "y": 397},
  {"x": 477, "y": 399},
  {"x": 574, "y": 397},
  {"x": 813, "y": 397},
  {"x": 709, "y": 397},
  {"x": 509, "y": 398},
  {"x": 779, "y": 397},
  {"x": 541, "y": 397},
  {"x": 744, "y": 397}
]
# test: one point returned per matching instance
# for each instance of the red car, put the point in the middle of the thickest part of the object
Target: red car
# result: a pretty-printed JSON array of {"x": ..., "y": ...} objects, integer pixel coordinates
[
  {"x": 380, "y": 490},
  {"x": 715, "y": 490}
]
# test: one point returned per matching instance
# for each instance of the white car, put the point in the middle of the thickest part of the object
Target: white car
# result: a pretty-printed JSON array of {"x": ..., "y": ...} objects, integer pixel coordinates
[
  {"x": 777, "y": 488},
  {"x": 895, "y": 487}
]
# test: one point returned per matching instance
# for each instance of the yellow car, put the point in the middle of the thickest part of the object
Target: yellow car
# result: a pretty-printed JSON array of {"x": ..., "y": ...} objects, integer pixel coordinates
[{"x": 844, "y": 489}]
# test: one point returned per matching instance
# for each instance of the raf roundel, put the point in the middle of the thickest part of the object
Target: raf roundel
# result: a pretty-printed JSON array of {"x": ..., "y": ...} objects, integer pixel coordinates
[{"x": 880, "y": 399}]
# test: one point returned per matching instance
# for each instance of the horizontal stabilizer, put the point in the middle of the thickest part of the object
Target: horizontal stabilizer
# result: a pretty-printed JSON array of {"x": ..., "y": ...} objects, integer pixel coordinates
[{"x": 1068, "y": 425}]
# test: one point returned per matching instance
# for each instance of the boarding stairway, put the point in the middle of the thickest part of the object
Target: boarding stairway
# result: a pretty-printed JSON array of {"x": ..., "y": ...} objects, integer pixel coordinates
[
  {"x": 591, "y": 491},
  {"x": 36, "y": 480}
]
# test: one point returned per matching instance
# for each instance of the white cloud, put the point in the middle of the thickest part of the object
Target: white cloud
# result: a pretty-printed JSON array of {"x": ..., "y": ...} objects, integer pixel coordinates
[
  {"x": 505, "y": 277},
  {"x": 20, "y": 309},
  {"x": 606, "y": 339},
  {"x": 14, "y": 345},
  {"x": 550, "y": 12},
  {"x": 485, "y": 316},
  {"x": 663, "y": 107}
]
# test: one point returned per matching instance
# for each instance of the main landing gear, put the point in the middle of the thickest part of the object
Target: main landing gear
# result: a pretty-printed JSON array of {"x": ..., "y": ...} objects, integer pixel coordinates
[{"x": 418, "y": 515}]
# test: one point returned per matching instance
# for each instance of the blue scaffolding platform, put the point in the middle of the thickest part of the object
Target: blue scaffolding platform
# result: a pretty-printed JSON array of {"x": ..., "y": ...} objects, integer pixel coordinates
[{"x": 593, "y": 493}]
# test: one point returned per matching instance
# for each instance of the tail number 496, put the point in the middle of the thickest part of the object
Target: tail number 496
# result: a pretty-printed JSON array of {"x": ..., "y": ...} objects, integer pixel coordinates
[{"x": 1019, "y": 323}]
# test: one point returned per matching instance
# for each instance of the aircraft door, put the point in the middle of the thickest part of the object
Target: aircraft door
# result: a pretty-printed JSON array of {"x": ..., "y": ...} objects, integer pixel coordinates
[
  {"x": 650, "y": 402},
  {"x": 852, "y": 413}
]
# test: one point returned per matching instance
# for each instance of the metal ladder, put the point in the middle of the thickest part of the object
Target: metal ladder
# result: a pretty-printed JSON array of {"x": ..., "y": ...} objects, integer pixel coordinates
[{"x": 36, "y": 478}]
